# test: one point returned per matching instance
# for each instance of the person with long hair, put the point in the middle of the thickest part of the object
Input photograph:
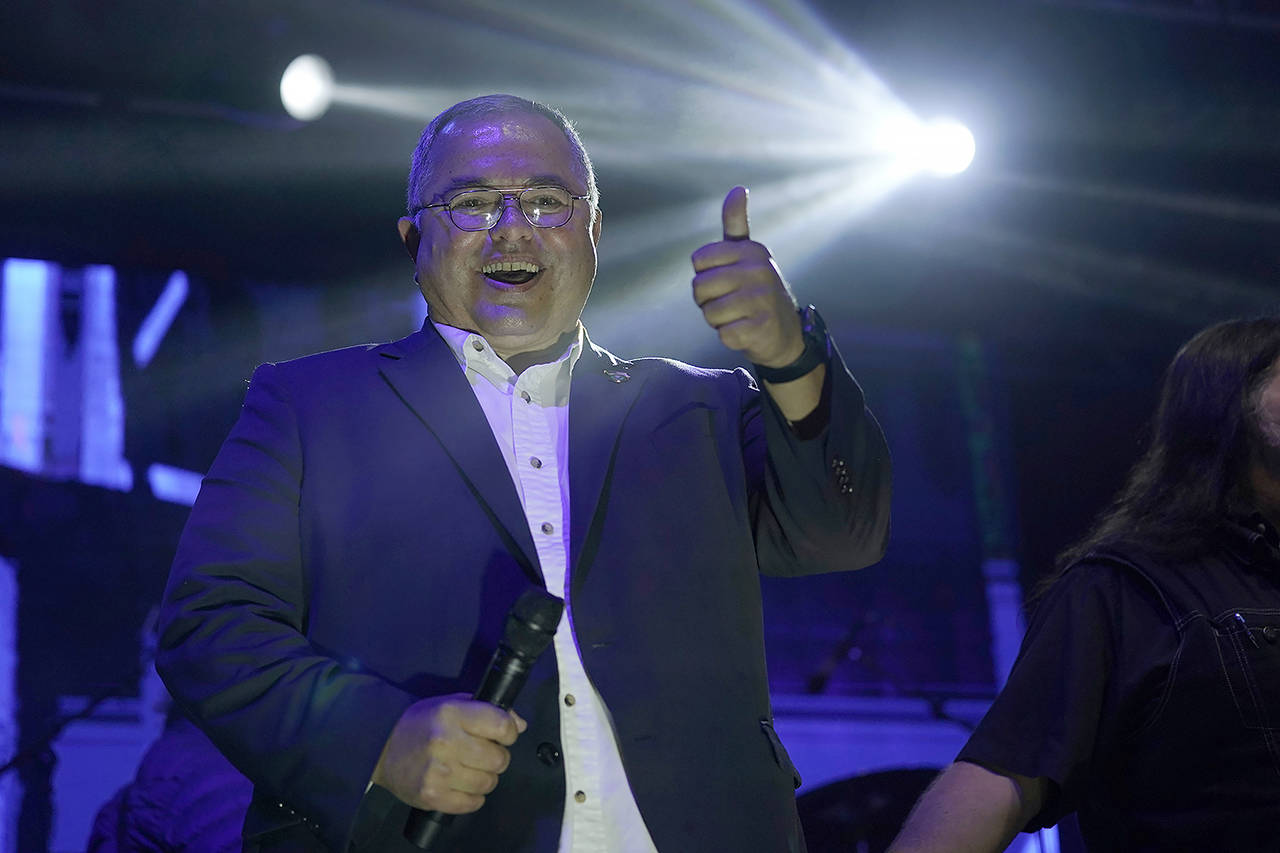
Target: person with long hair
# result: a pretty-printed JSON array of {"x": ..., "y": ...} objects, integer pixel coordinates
[{"x": 1146, "y": 695}]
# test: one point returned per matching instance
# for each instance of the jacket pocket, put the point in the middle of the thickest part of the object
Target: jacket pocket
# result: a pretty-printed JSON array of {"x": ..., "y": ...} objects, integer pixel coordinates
[
  {"x": 1249, "y": 646},
  {"x": 779, "y": 751}
]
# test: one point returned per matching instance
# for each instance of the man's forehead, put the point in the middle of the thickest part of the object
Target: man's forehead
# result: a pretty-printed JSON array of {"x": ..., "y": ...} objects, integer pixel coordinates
[
  {"x": 468, "y": 147},
  {"x": 499, "y": 127}
]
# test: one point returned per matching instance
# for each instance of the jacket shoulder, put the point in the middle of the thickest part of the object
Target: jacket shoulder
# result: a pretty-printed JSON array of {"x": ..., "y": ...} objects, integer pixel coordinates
[
  {"x": 676, "y": 370},
  {"x": 335, "y": 363}
]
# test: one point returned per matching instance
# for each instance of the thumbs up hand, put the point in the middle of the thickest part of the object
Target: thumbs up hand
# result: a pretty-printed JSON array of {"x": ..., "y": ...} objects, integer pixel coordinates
[{"x": 742, "y": 293}]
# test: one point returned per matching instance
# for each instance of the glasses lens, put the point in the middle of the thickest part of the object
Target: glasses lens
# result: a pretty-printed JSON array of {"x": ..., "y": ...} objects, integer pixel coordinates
[
  {"x": 479, "y": 210},
  {"x": 546, "y": 207},
  {"x": 476, "y": 210}
]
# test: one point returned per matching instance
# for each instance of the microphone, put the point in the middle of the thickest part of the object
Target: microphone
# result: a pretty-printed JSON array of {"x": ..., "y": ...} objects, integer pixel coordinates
[{"x": 528, "y": 631}]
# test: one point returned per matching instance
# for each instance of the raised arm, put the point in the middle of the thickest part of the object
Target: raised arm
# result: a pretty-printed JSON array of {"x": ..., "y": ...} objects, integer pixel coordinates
[{"x": 821, "y": 499}]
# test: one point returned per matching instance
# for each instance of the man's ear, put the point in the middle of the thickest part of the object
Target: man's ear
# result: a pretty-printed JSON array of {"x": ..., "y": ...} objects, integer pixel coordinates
[
  {"x": 410, "y": 236},
  {"x": 595, "y": 227}
]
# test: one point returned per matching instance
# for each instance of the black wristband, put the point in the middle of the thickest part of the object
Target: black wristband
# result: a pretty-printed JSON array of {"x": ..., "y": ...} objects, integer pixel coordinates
[{"x": 817, "y": 350}]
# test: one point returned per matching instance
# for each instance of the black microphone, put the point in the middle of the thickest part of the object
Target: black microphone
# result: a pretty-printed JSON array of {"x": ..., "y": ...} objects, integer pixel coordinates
[{"x": 530, "y": 626}]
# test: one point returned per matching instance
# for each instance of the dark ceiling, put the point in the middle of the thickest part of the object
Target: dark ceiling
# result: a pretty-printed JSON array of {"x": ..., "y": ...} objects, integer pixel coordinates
[{"x": 1127, "y": 185}]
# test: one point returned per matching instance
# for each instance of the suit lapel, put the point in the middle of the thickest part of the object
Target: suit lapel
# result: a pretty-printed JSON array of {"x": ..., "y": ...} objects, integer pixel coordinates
[
  {"x": 425, "y": 374},
  {"x": 603, "y": 392}
]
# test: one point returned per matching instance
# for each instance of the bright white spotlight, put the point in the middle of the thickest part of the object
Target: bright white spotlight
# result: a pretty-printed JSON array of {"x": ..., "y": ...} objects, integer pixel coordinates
[
  {"x": 306, "y": 87},
  {"x": 946, "y": 147}
]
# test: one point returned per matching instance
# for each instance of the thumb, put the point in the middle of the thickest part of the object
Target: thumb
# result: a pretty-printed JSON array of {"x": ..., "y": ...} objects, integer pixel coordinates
[{"x": 734, "y": 214}]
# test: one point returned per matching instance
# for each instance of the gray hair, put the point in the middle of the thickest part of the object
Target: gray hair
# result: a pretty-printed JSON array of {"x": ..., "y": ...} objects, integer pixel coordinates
[{"x": 420, "y": 168}]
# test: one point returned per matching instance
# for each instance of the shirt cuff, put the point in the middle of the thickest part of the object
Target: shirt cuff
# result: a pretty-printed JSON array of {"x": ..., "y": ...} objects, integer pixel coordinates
[{"x": 813, "y": 424}]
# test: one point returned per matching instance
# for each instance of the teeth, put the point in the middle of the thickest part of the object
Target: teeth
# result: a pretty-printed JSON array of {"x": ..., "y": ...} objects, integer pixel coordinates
[{"x": 511, "y": 266}]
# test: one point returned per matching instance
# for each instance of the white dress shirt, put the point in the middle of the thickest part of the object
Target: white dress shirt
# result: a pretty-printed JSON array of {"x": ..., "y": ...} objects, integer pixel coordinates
[{"x": 529, "y": 416}]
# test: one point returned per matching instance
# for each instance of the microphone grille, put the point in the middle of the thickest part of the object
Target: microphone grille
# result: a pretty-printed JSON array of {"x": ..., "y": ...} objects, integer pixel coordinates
[{"x": 532, "y": 623}]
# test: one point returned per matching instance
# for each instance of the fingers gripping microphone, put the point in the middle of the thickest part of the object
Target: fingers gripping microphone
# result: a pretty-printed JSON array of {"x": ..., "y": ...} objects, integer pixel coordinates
[{"x": 530, "y": 626}]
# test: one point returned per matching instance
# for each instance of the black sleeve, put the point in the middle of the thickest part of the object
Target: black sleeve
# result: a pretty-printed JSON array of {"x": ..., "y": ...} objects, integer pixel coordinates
[
  {"x": 812, "y": 425},
  {"x": 1091, "y": 669},
  {"x": 821, "y": 501}
]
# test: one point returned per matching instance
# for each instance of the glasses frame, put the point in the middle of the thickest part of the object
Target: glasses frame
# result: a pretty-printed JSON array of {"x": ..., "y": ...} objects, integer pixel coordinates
[{"x": 516, "y": 195}]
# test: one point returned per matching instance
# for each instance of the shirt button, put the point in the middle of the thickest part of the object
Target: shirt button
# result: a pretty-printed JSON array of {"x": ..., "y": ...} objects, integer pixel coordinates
[
  {"x": 569, "y": 699},
  {"x": 1271, "y": 633},
  {"x": 580, "y": 796},
  {"x": 548, "y": 527},
  {"x": 477, "y": 345},
  {"x": 535, "y": 462},
  {"x": 524, "y": 395},
  {"x": 548, "y": 754}
]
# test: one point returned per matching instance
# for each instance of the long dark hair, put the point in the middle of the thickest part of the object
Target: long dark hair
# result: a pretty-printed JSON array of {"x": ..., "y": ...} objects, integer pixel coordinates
[{"x": 1194, "y": 473}]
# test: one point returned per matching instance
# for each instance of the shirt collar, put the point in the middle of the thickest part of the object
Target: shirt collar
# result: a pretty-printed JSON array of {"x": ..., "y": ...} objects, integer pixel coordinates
[
  {"x": 475, "y": 354},
  {"x": 1253, "y": 539}
]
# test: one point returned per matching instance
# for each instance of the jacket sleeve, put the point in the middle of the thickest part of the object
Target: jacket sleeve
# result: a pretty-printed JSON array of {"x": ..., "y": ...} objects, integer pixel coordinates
[
  {"x": 818, "y": 504},
  {"x": 233, "y": 645}
]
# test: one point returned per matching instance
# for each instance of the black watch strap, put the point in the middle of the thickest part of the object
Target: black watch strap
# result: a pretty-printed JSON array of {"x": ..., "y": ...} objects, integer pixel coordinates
[{"x": 817, "y": 350}]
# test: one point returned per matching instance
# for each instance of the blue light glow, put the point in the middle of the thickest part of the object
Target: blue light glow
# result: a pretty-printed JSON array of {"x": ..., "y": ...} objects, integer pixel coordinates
[
  {"x": 174, "y": 485},
  {"x": 158, "y": 321},
  {"x": 10, "y": 785},
  {"x": 26, "y": 286},
  {"x": 102, "y": 460}
]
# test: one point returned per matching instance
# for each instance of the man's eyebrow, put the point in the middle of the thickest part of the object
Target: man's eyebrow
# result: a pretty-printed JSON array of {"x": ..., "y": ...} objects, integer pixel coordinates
[{"x": 465, "y": 182}]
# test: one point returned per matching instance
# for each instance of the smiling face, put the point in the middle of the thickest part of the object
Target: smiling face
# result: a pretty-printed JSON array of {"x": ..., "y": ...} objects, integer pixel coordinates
[{"x": 480, "y": 280}]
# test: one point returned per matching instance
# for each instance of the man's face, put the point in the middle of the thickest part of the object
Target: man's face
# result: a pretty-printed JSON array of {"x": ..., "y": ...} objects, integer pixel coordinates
[{"x": 456, "y": 269}]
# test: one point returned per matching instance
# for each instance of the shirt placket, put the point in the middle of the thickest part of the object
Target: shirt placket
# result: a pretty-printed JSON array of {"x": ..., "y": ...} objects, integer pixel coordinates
[{"x": 542, "y": 474}]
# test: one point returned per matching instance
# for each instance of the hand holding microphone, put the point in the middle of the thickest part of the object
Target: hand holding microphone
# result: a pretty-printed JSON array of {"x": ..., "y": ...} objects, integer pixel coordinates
[{"x": 446, "y": 753}]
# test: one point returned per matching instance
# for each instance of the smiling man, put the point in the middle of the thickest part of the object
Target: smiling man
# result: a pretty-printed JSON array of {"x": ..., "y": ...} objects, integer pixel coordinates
[
  {"x": 497, "y": 248},
  {"x": 346, "y": 570}
]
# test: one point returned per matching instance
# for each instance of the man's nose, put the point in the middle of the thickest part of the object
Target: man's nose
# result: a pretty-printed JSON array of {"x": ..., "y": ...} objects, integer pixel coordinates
[{"x": 511, "y": 222}]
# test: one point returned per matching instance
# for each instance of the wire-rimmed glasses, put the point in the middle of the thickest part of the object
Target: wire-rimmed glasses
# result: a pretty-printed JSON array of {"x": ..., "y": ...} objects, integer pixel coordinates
[{"x": 480, "y": 210}]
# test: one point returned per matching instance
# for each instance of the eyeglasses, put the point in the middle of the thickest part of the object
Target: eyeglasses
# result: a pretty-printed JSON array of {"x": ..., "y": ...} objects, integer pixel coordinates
[{"x": 480, "y": 210}]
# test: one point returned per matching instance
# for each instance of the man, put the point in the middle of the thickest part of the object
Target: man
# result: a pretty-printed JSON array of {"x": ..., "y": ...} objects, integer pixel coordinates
[
  {"x": 1146, "y": 695},
  {"x": 357, "y": 543}
]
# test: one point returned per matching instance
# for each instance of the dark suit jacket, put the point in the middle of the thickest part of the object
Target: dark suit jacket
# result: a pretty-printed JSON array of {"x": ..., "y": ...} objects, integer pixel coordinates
[{"x": 358, "y": 541}]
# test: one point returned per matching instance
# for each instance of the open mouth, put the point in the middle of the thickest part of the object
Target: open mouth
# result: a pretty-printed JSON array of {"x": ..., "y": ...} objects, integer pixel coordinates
[{"x": 511, "y": 272}]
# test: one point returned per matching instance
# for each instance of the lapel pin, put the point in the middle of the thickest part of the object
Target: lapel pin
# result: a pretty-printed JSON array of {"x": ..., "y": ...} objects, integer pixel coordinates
[{"x": 618, "y": 376}]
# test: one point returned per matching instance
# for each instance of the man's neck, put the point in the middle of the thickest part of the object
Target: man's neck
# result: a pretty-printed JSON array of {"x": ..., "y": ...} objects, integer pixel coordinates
[{"x": 518, "y": 362}]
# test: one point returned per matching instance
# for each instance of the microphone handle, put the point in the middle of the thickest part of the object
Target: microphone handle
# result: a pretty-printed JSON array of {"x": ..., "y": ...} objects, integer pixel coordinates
[
  {"x": 423, "y": 828},
  {"x": 504, "y": 679},
  {"x": 507, "y": 673}
]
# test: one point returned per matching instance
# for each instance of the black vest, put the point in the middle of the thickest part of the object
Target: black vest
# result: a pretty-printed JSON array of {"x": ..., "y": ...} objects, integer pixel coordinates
[{"x": 1203, "y": 771}]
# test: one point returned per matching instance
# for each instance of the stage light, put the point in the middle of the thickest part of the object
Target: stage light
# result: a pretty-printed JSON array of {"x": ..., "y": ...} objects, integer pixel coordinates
[
  {"x": 943, "y": 147},
  {"x": 946, "y": 147},
  {"x": 306, "y": 87}
]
